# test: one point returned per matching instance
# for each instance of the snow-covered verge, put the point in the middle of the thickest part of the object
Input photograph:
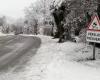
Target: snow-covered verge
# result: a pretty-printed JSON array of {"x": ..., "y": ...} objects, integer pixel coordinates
[
  {"x": 54, "y": 61},
  {"x": 67, "y": 59},
  {"x": 2, "y": 34}
]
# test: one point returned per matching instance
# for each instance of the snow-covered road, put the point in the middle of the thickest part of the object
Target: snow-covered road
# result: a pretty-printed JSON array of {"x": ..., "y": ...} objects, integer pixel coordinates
[
  {"x": 54, "y": 61},
  {"x": 13, "y": 48}
]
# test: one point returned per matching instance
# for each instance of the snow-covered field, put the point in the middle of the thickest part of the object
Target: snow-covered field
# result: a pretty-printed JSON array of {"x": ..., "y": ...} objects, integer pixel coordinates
[{"x": 58, "y": 61}]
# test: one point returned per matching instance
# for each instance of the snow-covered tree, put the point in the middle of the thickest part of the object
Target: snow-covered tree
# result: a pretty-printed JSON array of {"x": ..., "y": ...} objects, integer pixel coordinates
[
  {"x": 40, "y": 10},
  {"x": 76, "y": 15}
]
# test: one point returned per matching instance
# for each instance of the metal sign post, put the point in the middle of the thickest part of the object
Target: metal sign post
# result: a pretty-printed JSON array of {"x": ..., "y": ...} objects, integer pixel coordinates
[
  {"x": 94, "y": 51},
  {"x": 93, "y": 33}
]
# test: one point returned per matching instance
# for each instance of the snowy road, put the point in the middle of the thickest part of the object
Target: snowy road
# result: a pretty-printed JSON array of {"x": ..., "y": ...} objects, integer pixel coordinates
[
  {"x": 50, "y": 61},
  {"x": 13, "y": 50}
]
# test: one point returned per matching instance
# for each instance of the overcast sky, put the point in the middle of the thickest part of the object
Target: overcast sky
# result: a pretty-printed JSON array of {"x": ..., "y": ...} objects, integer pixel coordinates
[{"x": 14, "y": 8}]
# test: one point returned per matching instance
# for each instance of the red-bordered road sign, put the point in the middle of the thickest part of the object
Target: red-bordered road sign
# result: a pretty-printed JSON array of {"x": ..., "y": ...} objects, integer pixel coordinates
[
  {"x": 94, "y": 25},
  {"x": 93, "y": 30}
]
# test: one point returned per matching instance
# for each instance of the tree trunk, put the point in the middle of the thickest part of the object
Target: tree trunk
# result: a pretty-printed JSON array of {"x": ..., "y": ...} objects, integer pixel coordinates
[{"x": 98, "y": 9}]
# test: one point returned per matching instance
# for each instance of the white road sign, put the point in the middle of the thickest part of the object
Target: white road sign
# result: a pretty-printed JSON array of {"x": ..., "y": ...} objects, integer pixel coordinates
[{"x": 93, "y": 31}]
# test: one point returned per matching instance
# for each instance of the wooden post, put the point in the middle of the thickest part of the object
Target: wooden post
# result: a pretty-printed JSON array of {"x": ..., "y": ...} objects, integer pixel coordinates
[{"x": 94, "y": 51}]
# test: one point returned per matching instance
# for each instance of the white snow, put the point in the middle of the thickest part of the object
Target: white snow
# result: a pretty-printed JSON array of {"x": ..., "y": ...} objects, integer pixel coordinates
[
  {"x": 58, "y": 61},
  {"x": 2, "y": 34}
]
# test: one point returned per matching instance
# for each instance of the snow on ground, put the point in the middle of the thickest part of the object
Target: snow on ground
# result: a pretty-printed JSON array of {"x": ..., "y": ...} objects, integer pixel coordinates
[
  {"x": 65, "y": 66},
  {"x": 2, "y": 34},
  {"x": 58, "y": 61}
]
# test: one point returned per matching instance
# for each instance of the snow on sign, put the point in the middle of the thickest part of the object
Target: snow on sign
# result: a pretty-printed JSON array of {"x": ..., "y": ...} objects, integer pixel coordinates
[{"x": 93, "y": 31}]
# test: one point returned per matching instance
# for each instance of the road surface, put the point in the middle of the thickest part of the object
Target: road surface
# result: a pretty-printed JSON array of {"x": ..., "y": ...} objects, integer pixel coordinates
[{"x": 14, "y": 49}]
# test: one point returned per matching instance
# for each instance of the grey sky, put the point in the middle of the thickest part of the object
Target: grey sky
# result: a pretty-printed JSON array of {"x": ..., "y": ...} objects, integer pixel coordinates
[{"x": 14, "y": 8}]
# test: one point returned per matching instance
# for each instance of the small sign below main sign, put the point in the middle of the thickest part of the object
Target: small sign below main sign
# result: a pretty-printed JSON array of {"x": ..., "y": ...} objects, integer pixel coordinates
[{"x": 93, "y": 31}]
